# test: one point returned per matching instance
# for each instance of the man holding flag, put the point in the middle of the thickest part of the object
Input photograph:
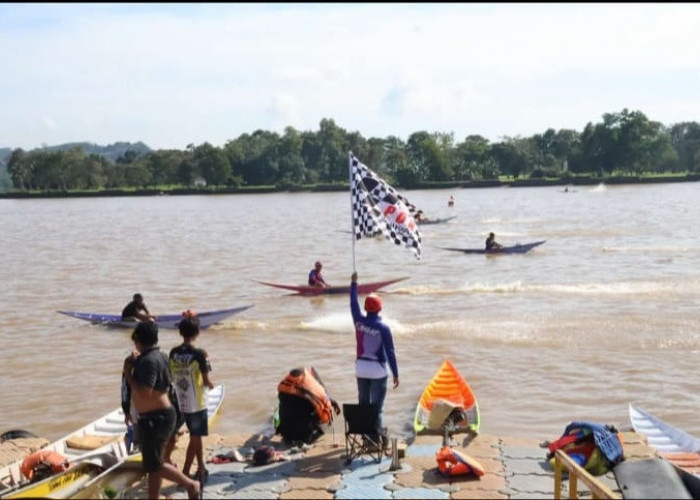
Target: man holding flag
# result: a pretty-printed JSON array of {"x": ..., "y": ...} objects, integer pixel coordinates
[{"x": 376, "y": 206}]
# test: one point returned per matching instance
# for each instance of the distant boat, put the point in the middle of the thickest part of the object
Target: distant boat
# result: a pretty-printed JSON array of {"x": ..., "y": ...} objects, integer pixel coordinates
[
  {"x": 428, "y": 222},
  {"x": 526, "y": 247}
]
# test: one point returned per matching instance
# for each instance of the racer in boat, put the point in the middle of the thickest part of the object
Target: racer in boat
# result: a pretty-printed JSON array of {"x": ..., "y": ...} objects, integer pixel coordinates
[
  {"x": 491, "y": 243},
  {"x": 315, "y": 278},
  {"x": 304, "y": 406},
  {"x": 136, "y": 310}
]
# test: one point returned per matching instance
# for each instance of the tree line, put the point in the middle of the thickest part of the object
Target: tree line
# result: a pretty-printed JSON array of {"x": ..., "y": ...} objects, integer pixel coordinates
[{"x": 624, "y": 143}]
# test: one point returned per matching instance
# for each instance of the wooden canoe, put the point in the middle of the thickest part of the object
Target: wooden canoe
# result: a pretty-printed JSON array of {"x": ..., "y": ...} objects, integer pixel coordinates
[
  {"x": 94, "y": 448},
  {"x": 519, "y": 248},
  {"x": 362, "y": 288},
  {"x": 168, "y": 321},
  {"x": 447, "y": 388}
]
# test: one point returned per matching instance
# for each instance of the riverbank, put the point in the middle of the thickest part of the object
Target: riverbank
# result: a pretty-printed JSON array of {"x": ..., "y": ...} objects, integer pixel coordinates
[
  {"x": 514, "y": 468},
  {"x": 320, "y": 188}
]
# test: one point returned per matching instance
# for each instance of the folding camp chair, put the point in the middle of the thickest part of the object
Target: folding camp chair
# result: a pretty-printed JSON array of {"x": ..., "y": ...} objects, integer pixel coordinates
[{"x": 362, "y": 436}]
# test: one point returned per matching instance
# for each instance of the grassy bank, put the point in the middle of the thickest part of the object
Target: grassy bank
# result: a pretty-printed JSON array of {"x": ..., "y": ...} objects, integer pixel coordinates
[{"x": 575, "y": 181}]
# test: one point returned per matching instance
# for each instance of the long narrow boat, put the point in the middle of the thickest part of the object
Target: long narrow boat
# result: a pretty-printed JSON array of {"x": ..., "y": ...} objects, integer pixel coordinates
[
  {"x": 661, "y": 435},
  {"x": 168, "y": 321},
  {"x": 519, "y": 248},
  {"x": 362, "y": 288},
  {"x": 442, "y": 220},
  {"x": 671, "y": 443},
  {"x": 93, "y": 448},
  {"x": 447, "y": 389}
]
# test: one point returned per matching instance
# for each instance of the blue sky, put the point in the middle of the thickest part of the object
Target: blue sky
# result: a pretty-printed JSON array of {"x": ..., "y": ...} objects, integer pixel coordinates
[{"x": 174, "y": 74}]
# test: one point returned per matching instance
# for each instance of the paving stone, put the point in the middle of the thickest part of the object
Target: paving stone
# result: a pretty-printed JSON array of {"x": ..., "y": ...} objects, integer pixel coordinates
[
  {"x": 410, "y": 493},
  {"x": 478, "y": 494},
  {"x": 520, "y": 442},
  {"x": 255, "y": 486},
  {"x": 531, "y": 483},
  {"x": 300, "y": 494},
  {"x": 421, "y": 462},
  {"x": 638, "y": 450},
  {"x": 488, "y": 482},
  {"x": 530, "y": 452},
  {"x": 481, "y": 450},
  {"x": 313, "y": 481},
  {"x": 523, "y": 466},
  {"x": 492, "y": 466},
  {"x": 423, "y": 450},
  {"x": 357, "y": 490},
  {"x": 422, "y": 477},
  {"x": 329, "y": 460}
]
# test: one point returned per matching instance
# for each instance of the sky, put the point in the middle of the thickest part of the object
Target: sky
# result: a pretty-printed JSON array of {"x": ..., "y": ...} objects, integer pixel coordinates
[{"x": 171, "y": 75}]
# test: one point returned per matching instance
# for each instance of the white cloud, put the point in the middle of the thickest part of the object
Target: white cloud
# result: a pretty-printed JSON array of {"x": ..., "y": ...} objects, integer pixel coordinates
[{"x": 172, "y": 74}]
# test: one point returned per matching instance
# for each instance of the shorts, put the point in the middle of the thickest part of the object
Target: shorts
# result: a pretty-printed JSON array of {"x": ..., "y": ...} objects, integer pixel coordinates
[
  {"x": 155, "y": 429},
  {"x": 197, "y": 423}
]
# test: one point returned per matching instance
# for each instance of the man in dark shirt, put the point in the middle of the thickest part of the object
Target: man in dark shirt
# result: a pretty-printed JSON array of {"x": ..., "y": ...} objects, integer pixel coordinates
[
  {"x": 136, "y": 310},
  {"x": 148, "y": 375},
  {"x": 491, "y": 243}
]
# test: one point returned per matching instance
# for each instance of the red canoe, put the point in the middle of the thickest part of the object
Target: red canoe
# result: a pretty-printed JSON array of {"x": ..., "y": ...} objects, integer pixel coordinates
[{"x": 362, "y": 288}]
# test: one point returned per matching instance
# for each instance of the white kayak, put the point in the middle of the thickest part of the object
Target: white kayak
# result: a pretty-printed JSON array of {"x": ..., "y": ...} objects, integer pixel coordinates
[{"x": 661, "y": 435}]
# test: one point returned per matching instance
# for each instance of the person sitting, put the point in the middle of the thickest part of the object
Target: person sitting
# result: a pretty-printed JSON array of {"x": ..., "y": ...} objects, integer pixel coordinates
[
  {"x": 420, "y": 217},
  {"x": 491, "y": 243},
  {"x": 304, "y": 406},
  {"x": 136, "y": 310},
  {"x": 315, "y": 278}
]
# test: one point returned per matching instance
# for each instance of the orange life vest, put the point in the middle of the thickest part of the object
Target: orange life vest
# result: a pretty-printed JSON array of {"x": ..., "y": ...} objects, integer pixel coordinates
[
  {"x": 52, "y": 459},
  {"x": 453, "y": 463},
  {"x": 306, "y": 386}
]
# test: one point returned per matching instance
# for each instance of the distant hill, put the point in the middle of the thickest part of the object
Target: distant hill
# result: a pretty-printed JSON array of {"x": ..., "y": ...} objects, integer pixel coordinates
[{"x": 110, "y": 152}]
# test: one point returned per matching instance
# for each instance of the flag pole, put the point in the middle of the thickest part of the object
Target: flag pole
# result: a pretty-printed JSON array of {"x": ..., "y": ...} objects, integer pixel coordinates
[{"x": 352, "y": 220}]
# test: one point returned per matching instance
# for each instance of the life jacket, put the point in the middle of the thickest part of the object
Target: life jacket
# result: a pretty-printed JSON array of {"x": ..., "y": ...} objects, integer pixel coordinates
[
  {"x": 43, "y": 459},
  {"x": 453, "y": 463},
  {"x": 306, "y": 386}
]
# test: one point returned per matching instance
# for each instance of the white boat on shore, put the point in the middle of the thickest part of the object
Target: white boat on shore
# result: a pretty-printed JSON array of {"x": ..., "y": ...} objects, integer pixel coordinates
[
  {"x": 661, "y": 435},
  {"x": 91, "y": 450}
]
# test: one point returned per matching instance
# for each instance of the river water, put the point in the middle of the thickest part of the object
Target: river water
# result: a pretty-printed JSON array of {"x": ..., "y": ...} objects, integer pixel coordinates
[{"x": 605, "y": 313}]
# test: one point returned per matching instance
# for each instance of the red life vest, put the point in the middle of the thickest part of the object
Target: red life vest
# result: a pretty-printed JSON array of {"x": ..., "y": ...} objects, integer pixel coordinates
[
  {"x": 306, "y": 386},
  {"x": 453, "y": 463},
  {"x": 52, "y": 459}
]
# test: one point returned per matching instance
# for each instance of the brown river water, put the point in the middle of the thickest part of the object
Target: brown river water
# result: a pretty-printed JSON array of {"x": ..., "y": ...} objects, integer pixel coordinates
[{"x": 604, "y": 314}]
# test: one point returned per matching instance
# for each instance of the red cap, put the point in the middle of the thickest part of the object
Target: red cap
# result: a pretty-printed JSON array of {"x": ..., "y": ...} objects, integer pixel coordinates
[{"x": 373, "y": 304}]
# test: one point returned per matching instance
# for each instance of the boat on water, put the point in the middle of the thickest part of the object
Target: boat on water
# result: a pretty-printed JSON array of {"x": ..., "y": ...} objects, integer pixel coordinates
[
  {"x": 92, "y": 450},
  {"x": 427, "y": 222},
  {"x": 518, "y": 248},
  {"x": 446, "y": 391},
  {"x": 167, "y": 321},
  {"x": 362, "y": 288}
]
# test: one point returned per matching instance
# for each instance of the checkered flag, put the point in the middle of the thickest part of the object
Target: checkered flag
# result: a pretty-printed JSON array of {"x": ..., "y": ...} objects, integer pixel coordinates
[{"x": 376, "y": 206}]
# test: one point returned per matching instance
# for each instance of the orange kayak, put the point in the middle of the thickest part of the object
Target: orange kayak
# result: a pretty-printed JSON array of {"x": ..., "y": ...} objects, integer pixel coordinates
[{"x": 446, "y": 391}]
